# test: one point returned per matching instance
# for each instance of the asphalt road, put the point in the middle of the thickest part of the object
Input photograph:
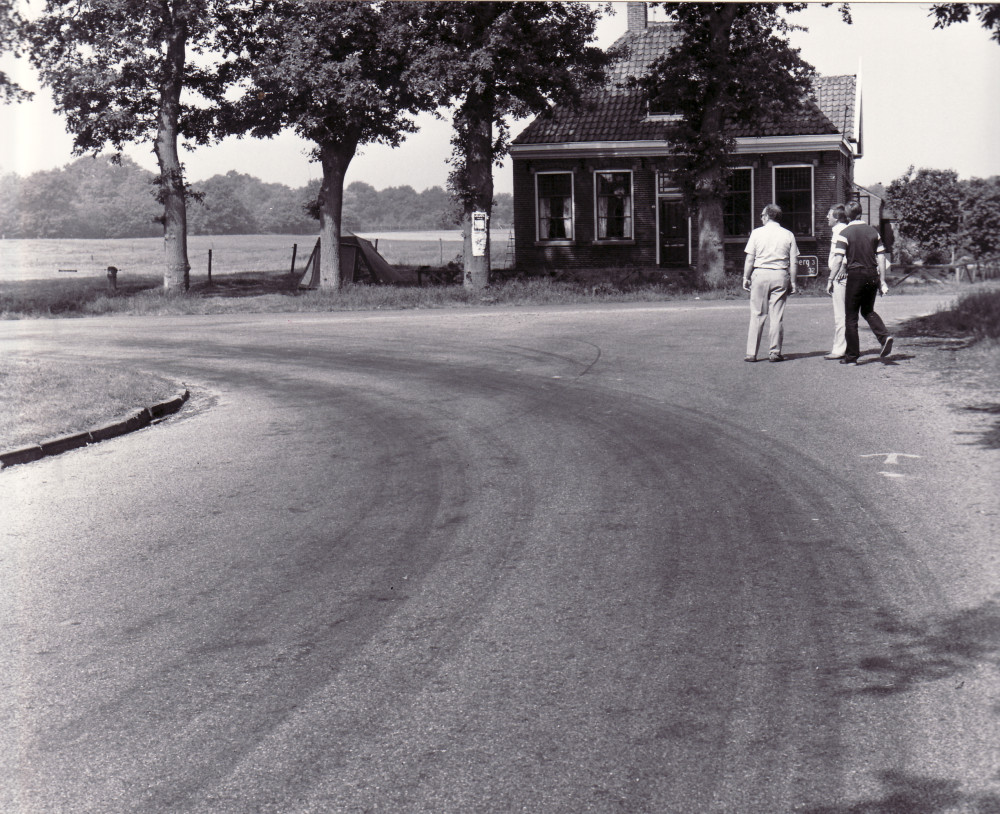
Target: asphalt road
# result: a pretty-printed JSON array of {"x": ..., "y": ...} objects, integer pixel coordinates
[{"x": 534, "y": 560}]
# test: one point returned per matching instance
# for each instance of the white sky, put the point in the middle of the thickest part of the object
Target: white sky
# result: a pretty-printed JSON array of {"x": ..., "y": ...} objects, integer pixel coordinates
[{"x": 931, "y": 99}]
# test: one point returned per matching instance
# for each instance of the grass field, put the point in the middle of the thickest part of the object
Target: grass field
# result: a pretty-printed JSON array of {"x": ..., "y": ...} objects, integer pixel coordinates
[{"x": 22, "y": 260}]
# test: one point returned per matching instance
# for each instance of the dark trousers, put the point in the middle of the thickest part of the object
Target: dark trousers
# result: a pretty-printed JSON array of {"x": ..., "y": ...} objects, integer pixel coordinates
[{"x": 862, "y": 289}]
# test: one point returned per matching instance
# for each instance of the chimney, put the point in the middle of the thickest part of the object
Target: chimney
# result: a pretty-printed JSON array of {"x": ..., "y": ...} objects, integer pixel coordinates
[{"x": 637, "y": 17}]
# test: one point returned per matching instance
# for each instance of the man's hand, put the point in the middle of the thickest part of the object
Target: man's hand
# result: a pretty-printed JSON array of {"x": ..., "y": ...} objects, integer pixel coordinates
[
  {"x": 884, "y": 288},
  {"x": 829, "y": 287},
  {"x": 746, "y": 284}
]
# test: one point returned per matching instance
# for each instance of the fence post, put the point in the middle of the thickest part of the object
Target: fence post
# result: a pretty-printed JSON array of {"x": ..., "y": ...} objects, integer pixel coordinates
[
  {"x": 295, "y": 248},
  {"x": 209, "y": 266}
]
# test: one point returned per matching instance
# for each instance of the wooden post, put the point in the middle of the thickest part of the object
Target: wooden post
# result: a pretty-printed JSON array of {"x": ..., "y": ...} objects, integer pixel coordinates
[
  {"x": 441, "y": 249},
  {"x": 295, "y": 248},
  {"x": 209, "y": 266}
]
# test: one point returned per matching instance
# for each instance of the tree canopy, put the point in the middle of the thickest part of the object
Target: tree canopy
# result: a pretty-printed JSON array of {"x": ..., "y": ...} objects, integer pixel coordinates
[
  {"x": 117, "y": 69},
  {"x": 946, "y": 14},
  {"x": 928, "y": 207},
  {"x": 500, "y": 60},
  {"x": 981, "y": 216},
  {"x": 340, "y": 75},
  {"x": 943, "y": 216},
  {"x": 734, "y": 65},
  {"x": 88, "y": 198},
  {"x": 10, "y": 25},
  {"x": 95, "y": 197}
]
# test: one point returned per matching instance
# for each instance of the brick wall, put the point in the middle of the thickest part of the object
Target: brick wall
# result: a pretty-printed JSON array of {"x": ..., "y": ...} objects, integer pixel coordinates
[{"x": 832, "y": 178}]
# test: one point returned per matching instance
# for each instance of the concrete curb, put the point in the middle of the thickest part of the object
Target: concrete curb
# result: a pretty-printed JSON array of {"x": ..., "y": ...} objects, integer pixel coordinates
[{"x": 64, "y": 443}]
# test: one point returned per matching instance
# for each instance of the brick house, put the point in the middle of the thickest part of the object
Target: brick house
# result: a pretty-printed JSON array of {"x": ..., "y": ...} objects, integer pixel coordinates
[{"x": 593, "y": 186}]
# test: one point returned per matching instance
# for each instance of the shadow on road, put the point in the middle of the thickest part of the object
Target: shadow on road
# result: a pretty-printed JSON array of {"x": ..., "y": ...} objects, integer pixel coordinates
[
  {"x": 914, "y": 794},
  {"x": 790, "y": 356},
  {"x": 990, "y": 438},
  {"x": 931, "y": 650}
]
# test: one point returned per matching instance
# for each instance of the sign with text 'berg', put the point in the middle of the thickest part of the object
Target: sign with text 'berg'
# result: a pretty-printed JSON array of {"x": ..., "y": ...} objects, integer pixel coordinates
[{"x": 808, "y": 266}]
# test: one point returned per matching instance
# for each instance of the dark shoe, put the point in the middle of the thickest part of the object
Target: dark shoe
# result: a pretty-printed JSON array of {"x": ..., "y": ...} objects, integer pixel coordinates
[
  {"x": 847, "y": 360},
  {"x": 749, "y": 358},
  {"x": 886, "y": 347},
  {"x": 776, "y": 357},
  {"x": 832, "y": 357}
]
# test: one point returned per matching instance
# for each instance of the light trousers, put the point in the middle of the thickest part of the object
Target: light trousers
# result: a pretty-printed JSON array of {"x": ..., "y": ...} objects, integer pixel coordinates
[
  {"x": 768, "y": 294},
  {"x": 839, "y": 318}
]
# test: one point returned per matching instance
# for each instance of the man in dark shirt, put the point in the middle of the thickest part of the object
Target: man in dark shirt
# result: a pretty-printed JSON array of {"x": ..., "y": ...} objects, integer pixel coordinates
[{"x": 860, "y": 255}]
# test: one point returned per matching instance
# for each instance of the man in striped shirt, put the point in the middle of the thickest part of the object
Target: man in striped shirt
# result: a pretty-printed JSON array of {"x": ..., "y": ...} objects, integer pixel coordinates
[{"x": 860, "y": 256}]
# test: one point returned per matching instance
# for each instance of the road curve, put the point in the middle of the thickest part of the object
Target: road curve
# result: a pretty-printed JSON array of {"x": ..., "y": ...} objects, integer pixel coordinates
[{"x": 540, "y": 560}]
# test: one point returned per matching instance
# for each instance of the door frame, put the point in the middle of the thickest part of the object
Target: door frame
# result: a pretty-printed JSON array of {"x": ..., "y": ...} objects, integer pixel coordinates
[{"x": 669, "y": 194}]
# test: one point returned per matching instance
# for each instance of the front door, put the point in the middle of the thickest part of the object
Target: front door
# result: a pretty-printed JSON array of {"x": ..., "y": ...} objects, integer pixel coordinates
[{"x": 674, "y": 250}]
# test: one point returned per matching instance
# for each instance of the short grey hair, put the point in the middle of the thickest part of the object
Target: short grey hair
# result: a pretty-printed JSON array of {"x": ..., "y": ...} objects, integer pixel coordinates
[{"x": 773, "y": 211}]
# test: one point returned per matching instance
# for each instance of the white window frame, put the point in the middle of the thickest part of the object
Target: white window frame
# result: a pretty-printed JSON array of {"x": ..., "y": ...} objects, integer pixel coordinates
[
  {"x": 572, "y": 209},
  {"x": 812, "y": 193},
  {"x": 752, "y": 205},
  {"x": 631, "y": 186}
]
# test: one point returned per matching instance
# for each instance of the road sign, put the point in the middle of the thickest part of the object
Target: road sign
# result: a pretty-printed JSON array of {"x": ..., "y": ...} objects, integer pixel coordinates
[
  {"x": 480, "y": 229},
  {"x": 808, "y": 266}
]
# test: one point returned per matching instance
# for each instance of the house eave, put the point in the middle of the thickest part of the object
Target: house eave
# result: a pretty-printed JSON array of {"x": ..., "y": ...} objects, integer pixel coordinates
[{"x": 658, "y": 147}]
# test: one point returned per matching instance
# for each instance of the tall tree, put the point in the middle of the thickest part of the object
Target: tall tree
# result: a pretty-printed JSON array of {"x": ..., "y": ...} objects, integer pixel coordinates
[
  {"x": 117, "y": 69},
  {"x": 981, "y": 216},
  {"x": 507, "y": 60},
  {"x": 928, "y": 205},
  {"x": 945, "y": 14},
  {"x": 341, "y": 75},
  {"x": 734, "y": 65}
]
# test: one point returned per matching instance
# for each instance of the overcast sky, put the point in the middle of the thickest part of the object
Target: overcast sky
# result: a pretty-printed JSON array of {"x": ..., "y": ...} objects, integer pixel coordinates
[{"x": 931, "y": 99}]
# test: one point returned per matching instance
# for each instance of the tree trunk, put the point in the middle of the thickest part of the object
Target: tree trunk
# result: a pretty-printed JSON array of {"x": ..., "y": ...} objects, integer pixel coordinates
[
  {"x": 710, "y": 187},
  {"x": 176, "y": 274},
  {"x": 478, "y": 192},
  {"x": 711, "y": 243},
  {"x": 336, "y": 158}
]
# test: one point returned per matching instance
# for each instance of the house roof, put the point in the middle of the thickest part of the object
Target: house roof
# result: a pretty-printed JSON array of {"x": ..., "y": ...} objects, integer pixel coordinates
[{"x": 618, "y": 112}]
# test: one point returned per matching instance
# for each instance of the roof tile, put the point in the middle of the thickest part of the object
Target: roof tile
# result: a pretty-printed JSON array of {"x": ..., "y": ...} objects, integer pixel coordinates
[{"x": 618, "y": 113}]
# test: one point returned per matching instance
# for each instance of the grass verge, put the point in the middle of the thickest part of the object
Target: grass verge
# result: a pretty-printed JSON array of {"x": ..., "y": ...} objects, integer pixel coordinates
[
  {"x": 975, "y": 314},
  {"x": 276, "y": 292},
  {"x": 34, "y": 405}
]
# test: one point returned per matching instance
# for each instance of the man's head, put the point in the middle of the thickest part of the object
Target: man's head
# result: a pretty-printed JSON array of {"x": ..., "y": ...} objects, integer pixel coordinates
[
  {"x": 853, "y": 209},
  {"x": 773, "y": 212},
  {"x": 837, "y": 214}
]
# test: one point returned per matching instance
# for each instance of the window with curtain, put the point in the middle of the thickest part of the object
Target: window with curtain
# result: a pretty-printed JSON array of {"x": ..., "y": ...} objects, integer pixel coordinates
[
  {"x": 614, "y": 205},
  {"x": 793, "y": 192},
  {"x": 555, "y": 205},
  {"x": 737, "y": 212}
]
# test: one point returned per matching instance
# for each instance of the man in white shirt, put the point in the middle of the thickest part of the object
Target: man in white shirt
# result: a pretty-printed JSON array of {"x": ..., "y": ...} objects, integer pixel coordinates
[
  {"x": 837, "y": 218},
  {"x": 768, "y": 274}
]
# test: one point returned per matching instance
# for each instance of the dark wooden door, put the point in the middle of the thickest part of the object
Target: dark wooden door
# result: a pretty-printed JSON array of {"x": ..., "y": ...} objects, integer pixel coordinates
[{"x": 673, "y": 233}]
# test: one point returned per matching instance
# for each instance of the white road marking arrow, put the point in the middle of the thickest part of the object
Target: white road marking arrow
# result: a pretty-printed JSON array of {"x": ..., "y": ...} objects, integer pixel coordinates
[{"x": 891, "y": 458}]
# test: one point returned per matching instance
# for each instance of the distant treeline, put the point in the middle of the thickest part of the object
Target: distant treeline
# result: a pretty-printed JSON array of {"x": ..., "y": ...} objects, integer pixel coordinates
[{"x": 96, "y": 198}]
